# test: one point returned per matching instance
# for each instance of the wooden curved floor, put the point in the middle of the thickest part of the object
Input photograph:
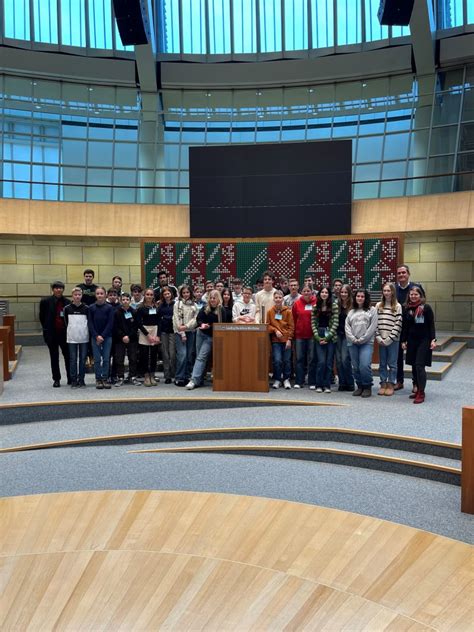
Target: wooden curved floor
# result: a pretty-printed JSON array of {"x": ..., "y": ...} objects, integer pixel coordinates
[{"x": 148, "y": 560}]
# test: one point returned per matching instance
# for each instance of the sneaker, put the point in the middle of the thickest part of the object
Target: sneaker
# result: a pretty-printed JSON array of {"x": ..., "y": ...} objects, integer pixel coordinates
[
  {"x": 313, "y": 388},
  {"x": 327, "y": 390},
  {"x": 190, "y": 385},
  {"x": 119, "y": 382},
  {"x": 287, "y": 384},
  {"x": 56, "y": 384},
  {"x": 357, "y": 392},
  {"x": 99, "y": 384},
  {"x": 366, "y": 392},
  {"x": 135, "y": 381},
  {"x": 398, "y": 386},
  {"x": 75, "y": 384},
  {"x": 107, "y": 385},
  {"x": 318, "y": 390},
  {"x": 168, "y": 380},
  {"x": 297, "y": 386},
  {"x": 276, "y": 384},
  {"x": 81, "y": 384},
  {"x": 180, "y": 383}
]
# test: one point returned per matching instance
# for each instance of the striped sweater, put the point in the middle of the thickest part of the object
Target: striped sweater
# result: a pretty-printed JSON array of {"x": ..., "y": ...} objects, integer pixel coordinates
[{"x": 389, "y": 327}]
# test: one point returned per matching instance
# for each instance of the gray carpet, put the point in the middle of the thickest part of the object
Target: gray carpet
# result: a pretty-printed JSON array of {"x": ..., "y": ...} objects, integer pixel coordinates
[{"x": 419, "y": 503}]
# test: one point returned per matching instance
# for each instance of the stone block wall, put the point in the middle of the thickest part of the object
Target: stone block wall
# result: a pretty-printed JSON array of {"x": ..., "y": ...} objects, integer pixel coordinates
[
  {"x": 28, "y": 266},
  {"x": 444, "y": 263}
]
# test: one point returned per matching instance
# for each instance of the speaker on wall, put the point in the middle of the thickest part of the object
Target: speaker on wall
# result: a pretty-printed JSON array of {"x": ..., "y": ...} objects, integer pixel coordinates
[
  {"x": 395, "y": 12},
  {"x": 132, "y": 21}
]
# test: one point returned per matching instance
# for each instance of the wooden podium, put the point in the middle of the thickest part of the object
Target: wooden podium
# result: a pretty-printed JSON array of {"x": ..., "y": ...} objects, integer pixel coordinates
[{"x": 240, "y": 357}]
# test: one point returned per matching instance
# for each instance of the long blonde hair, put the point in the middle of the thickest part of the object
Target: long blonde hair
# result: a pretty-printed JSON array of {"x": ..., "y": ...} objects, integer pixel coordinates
[
  {"x": 218, "y": 310},
  {"x": 393, "y": 300}
]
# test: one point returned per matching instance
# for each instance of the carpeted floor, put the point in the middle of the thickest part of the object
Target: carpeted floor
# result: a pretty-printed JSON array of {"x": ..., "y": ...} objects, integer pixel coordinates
[{"x": 420, "y": 503}]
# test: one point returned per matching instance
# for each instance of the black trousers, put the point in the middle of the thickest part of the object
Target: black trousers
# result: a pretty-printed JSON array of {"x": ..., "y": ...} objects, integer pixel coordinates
[
  {"x": 131, "y": 349},
  {"x": 400, "y": 376},
  {"x": 56, "y": 342}
]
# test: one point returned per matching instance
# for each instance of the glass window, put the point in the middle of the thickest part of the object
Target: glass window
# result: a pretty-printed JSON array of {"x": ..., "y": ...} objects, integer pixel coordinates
[
  {"x": 468, "y": 103},
  {"x": 396, "y": 146},
  {"x": 466, "y": 139},
  {"x": 372, "y": 123},
  {"x": 373, "y": 29},
  {"x": 170, "y": 26},
  {"x": 449, "y": 13},
  {"x": 125, "y": 154},
  {"x": 270, "y": 25},
  {"x": 440, "y": 164},
  {"x": 419, "y": 144},
  {"x": 470, "y": 13},
  {"x": 16, "y": 15},
  {"x": 319, "y": 128},
  {"x": 100, "y": 23},
  {"x": 367, "y": 172},
  {"x": 194, "y": 26},
  {"x": 443, "y": 139},
  {"x": 219, "y": 26},
  {"x": 366, "y": 191},
  {"x": 296, "y": 24},
  {"x": 446, "y": 107},
  {"x": 369, "y": 148},
  {"x": 400, "y": 31},
  {"x": 348, "y": 21},
  {"x": 392, "y": 189},
  {"x": 100, "y": 154},
  {"x": 322, "y": 23},
  {"x": 46, "y": 21},
  {"x": 245, "y": 32},
  {"x": 73, "y": 27}
]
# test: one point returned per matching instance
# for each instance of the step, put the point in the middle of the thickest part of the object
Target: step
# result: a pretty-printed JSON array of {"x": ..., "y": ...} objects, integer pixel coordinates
[
  {"x": 450, "y": 352},
  {"x": 435, "y": 372}
]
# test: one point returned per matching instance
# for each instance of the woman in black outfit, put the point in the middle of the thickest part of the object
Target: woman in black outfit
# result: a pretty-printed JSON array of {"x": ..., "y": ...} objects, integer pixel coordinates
[
  {"x": 419, "y": 339},
  {"x": 148, "y": 339},
  {"x": 166, "y": 333}
]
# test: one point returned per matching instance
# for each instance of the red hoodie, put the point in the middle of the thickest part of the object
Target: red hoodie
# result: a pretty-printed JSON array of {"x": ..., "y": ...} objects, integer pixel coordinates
[{"x": 302, "y": 318}]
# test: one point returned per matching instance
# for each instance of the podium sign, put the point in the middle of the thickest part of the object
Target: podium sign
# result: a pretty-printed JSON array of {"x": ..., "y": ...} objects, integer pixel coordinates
[{"x": 240, "y": 357}]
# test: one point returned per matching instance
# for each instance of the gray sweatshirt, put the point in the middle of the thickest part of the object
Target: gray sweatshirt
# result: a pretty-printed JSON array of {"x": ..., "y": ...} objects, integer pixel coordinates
[{"x": 361, "y": 326}]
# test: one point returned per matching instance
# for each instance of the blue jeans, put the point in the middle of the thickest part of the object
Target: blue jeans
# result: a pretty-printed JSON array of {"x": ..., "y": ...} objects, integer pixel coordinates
[
  {"x": 184, "y": 355},
  {"x": 388, "y": 358},
  {"x": 305, "y": 359},
  {"x": 281, "y": 357},
  {"x": 101, "y": 358},
  {"x": 361, "y": 358},
  {"x": 204, "y": 348},
  {"x": 77, "y": 351},
  {"x": 343, "y": 362},
  {"x": 325, "y": 359}
]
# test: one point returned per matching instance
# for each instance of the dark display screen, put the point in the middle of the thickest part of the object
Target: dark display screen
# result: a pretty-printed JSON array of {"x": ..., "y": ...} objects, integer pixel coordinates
[{"x": 271, "y": 190}]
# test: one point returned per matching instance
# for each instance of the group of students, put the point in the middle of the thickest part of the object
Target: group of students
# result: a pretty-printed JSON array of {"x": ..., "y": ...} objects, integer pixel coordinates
[{"x": 310, "y": 332}]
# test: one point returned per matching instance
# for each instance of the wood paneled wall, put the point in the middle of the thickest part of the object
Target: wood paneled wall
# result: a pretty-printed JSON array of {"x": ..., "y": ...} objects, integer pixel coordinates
[{"x": 407, "y": 214}]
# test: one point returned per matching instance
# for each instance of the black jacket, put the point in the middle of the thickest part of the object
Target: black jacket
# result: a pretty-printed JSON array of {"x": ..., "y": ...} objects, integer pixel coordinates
[
  {"x": 47, "y": 316},
  {"x": 125, "y": 326}
]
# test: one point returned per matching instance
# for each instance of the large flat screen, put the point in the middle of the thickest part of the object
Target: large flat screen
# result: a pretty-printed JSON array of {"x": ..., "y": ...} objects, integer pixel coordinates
[{"x": 271, "y": 190}]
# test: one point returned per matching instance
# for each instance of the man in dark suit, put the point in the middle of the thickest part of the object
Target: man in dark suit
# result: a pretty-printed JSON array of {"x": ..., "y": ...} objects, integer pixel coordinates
[{"x": 51, "y": 314}]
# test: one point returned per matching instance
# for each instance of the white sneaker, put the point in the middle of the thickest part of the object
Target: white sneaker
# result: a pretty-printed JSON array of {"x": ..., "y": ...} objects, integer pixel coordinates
[
  {"x": 319, "y": 389},
  {"x": 190, "y": 385},
  {"x": 276, "y": 384},
  {"x": 287, "y": 384},
  {"x": 327, "y": 390},
  {"x": 297, "y": 386},
  {"x": 312, "y": 387}
]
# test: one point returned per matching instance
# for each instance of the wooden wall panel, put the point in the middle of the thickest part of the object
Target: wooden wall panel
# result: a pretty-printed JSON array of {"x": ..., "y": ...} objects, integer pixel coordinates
[{"x": 448, "y": 211}]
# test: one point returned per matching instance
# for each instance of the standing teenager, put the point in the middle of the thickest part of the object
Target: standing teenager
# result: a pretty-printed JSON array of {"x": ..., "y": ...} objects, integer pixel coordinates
[
  {"x": 304, "y": 340},
  {"x": 126, "y": 341},
  {"x": 209, "y": 315},
  {"x": 343, "y": 358},
  {"x": 389, "y": 328},
  {"x": 281, "y": 329},
  {"x": 166, "y": 333},
  {"x": 184, "y": 324},
  {"x": 361, "y": 324},
  {"x": 324, "y": 322},
  {"x": 148, "y": 339},
  {"x": 419, "y": 339},
  {"x": 51, "y": 315},
  {"x": 75, "y": 316},
  {"x": 244, "y": 310},
  {"x": 101, "y": 324}
]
